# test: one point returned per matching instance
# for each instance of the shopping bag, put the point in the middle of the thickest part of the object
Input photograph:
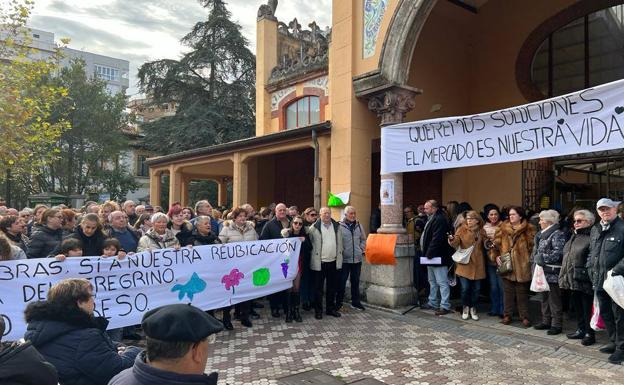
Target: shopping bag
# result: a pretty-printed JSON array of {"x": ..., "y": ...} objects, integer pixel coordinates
[
  {"x": 538, "y": 283},
  {"x": 596, "y": 321},
  {"x": 614, "y": 286}
]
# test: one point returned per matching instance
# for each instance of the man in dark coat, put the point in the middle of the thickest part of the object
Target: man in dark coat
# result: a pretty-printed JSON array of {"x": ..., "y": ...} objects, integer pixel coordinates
[
  {"x": 435, "y": 248},
  {"x": 177, "y": 348},
  {"x": 21, "y": 364},
  {"x": 606, "y": 252},
  {"x": 273, "y": 230}
]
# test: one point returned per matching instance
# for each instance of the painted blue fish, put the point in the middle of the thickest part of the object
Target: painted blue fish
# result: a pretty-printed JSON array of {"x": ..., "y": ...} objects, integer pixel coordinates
[{"x": 193, "y": 286}]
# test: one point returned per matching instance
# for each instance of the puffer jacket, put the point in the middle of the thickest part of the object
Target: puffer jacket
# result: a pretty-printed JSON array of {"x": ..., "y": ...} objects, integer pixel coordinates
[
  {"x": 548, "y": 252},
  {"x": 606, "y": 251},
  {"x": 574, "y": 274},
  {"x": 353, "y": 241},
  {"x": 524, "y": 234},
  {"x": 21, "y": 364},
  {"x": 231, "y": 233},
  {"x": 316, "y": 238},
  {"x": 44, "y": 242},
  {"x": 153, "y": 241},
  {"x": 200, "y": 240},
  {"x": 75, "y": 343}
]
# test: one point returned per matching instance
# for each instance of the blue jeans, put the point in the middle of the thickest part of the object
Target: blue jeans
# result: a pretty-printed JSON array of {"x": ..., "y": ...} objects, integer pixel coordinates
[
  {"x": 469, "y": 291},
  {"x": 496, "y": 291},
  {"x": 439, "y": 288}
]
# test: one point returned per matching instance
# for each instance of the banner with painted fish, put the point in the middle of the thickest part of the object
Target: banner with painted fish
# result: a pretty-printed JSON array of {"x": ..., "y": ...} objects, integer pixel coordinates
[{"x": 209, "y": 277}]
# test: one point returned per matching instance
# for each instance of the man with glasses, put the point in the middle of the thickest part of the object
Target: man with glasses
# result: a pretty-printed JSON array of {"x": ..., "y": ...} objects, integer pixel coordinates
[
  {"x": 606, "y": 252},
  {"x": 307, "y": 279},
  {"x": 414, "y": 225},
  {"x": 309, "y": 216}
]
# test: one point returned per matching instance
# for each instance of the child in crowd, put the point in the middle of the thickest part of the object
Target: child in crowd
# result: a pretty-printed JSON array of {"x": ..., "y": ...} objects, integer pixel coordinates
[
  {"x": 111, "y": 248},
  {"x": 70, "y": 247}
]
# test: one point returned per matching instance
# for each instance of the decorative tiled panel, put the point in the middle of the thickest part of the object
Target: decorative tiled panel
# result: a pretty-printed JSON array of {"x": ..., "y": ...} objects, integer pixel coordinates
[
  {"x": 320, "y": 83},
  {"x": 373, "y": 15},
  {"x": 278, "y": 96}
]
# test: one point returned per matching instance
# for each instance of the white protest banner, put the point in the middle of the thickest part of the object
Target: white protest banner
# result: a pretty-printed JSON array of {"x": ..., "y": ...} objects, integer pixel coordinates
[
  {"x": 209, "y": 277},
  {"x": 585, "y": 121}
]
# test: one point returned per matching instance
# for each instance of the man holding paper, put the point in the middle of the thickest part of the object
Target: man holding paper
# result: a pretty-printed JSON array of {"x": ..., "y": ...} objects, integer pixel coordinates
[{"x": 437, "y": 256}]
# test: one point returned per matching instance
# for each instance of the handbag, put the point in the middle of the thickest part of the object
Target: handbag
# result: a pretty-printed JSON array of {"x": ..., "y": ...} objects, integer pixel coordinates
[
  {"x": 506, "y": 265},
  {"x": 462, "y": 256}
]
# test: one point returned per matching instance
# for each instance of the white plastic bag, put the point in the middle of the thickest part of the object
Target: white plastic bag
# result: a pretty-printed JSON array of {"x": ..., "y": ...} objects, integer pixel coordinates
[
  {"x": 614, "y": 286},
  {"x": 596, "y": 321},
  {"x": 538, "y": 283}
]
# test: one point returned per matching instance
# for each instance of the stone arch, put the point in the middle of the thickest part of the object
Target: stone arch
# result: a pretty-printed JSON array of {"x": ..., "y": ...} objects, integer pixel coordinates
[{"x": 396, "y": 53}]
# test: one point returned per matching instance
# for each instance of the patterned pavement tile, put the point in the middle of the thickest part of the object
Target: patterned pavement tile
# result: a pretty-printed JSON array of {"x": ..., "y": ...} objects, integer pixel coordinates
[{"x": 402, "y": 350}]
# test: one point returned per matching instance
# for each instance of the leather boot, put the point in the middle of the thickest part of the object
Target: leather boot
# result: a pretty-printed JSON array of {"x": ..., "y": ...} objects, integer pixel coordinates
[
  {"x": 287, "y": 310},
  {"x": 295, "y": 307},
  {"x": 227, "y": 320}
]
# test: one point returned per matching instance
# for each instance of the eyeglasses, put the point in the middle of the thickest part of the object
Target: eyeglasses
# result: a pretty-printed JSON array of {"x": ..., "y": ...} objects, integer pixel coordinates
[
  {"x": 579, "y": 220},
  {"x": 313, "y": 214},
  {"x": 298, "y": 223}
]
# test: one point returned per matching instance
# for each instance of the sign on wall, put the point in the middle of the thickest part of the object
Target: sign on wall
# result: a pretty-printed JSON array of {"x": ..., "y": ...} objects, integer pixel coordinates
[
  {"x": 585, "y": 121},
  {"x": 209, "y": 277}
]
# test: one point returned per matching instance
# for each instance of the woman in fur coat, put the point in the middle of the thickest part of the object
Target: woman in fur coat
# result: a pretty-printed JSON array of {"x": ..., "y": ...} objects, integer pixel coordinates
[{"x": 516, "y": 235}]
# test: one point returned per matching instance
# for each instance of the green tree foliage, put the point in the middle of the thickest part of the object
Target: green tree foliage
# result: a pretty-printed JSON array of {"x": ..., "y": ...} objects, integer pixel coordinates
[
  {"x": 91, "y": 151},
  {"x": 213, "y": 84},
  {"x": 28, "y": 98}
]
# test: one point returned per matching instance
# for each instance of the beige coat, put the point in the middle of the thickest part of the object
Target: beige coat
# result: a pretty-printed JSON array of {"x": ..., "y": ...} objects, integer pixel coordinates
[
  {"x": 231, "y": 233},
  {"x": 464, "y": 238},
  {"x": 314, "y": 232},
  {"x": 152, "y": 241}
]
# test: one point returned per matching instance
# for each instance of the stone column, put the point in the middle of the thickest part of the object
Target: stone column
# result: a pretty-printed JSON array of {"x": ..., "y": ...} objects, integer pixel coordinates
[
  {"x": 155, "y": 187},
  {"x": 239, "y": 180},
  {"x": 175, "y": 185},
  {"x": 388, "y": 285},
  {"x": 222, "y": 191}
]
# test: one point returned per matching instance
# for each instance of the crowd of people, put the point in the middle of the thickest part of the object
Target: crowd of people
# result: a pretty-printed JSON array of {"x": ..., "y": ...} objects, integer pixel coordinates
[
  {"x": 64, "y": 329},
  {"x": 500, "y": 246},
  {"x": 506, "y": 245}
]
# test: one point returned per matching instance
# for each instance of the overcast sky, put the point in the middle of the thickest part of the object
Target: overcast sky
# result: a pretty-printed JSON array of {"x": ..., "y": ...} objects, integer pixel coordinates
[{"x": 145, "y": 30}]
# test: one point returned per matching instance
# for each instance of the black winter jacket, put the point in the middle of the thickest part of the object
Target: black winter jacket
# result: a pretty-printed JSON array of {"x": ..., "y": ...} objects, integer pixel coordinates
[
  {"x": 75, "y": 343},
  {"x": 44, "y": 242},
  {"x": 272, "y": 229},
  {"x": 144, "y": 374},
  {"x": 199, "y": 240},
  {"x": 574, "y": 275},
  {"x": 435, "y": 239},
  {"x": 185, "y": 235},
  {"x": 91, "y": 246},
  {"x": 21, "y": 364},
  {"x": 606, "y": 251}
]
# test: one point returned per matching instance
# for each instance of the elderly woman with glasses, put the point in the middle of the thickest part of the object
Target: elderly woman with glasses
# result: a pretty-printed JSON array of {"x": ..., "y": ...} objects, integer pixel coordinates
[
  {"x": 470, "y": 234},
  {"x": 548, "y": 253},
  {"x": 574, "y": 276},
  {"x": 297, "y": 229}
]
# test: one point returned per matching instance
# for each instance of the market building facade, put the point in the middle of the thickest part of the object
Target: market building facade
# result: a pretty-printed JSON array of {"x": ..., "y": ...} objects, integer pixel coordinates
[{"x": 323, "y": 95}]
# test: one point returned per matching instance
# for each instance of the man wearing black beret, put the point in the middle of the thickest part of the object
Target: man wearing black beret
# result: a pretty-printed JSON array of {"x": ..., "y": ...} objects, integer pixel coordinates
[{"x": 177, "y": 348}]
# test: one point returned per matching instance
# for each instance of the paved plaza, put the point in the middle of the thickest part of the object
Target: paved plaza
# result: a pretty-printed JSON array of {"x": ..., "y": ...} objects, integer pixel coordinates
[{"x": 418, "y": 348}]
